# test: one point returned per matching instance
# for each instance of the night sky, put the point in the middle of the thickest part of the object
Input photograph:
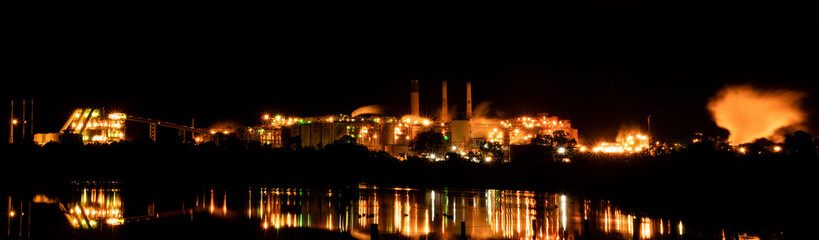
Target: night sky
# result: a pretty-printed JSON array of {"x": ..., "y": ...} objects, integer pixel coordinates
[{"x": 602, "y": 66}]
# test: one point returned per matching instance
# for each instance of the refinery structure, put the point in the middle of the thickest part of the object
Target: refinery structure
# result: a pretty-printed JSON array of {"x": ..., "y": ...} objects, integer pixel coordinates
[{"x": 464, "y": 133}]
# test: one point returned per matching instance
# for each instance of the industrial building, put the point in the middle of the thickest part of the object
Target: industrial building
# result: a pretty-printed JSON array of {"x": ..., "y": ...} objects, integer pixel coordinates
[
  {"x": 96, "y": 126},
  {"x": 378, "y": 132},
  {"x": 392, "y": 134}
]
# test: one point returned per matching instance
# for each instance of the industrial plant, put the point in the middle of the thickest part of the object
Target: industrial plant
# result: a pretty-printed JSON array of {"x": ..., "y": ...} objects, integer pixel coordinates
[{"x": 464, "y": 133}]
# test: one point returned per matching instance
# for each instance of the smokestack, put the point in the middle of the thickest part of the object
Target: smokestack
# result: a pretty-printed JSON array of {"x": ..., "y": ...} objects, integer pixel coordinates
[
  {"x": 468, "y": 100},
  {"x": 414, "y": 108},
  {"x": 444, "y": 103}
]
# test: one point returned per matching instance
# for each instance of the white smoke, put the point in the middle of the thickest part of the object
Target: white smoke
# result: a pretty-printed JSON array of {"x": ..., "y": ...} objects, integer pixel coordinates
[{"x": 481, "y": 122}]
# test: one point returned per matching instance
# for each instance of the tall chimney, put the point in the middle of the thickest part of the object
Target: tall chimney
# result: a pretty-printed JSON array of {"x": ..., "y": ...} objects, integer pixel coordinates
[
  {"x": 468, "y": 100},
  {"x": 444, "y": 107},
  {"x": 414, "y": 108}
]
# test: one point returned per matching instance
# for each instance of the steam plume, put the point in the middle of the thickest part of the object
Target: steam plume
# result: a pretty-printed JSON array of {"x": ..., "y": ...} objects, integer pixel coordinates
[
  {"x": 750, "y": 113},
  {"x": 481, "y": 123},
  {"x": 369, "y": 109}
]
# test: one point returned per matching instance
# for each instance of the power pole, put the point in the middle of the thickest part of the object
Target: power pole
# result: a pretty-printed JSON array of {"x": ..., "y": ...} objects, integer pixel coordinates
[{"x": 11, "y": 124}]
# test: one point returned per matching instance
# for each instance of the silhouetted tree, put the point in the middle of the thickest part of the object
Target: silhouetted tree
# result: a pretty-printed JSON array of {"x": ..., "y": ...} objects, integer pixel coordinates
[
  {"x": 346, "y": 139},
  {"x": 760, "y": 146},
  {"x": 541, "y": 140},
  {"x": 556, "y": 140},
  {"x": 254, "y": 146},
  {"x": 801, "y": 143},
  {"x": 561, "y": 139},
  {"x": 428, "y": 142},
  {"x": 295, "y": 142}
]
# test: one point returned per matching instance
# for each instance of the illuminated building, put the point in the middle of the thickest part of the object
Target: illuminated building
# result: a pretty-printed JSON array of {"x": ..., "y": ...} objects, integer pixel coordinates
[
  {"x": 522, "y": 129},
  {"x": 91, "y": 125},
  {"x": 94, "y": 125}
]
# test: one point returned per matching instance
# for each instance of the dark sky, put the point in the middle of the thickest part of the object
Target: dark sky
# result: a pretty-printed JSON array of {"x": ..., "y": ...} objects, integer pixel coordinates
[{"x": 600, "y": 65}]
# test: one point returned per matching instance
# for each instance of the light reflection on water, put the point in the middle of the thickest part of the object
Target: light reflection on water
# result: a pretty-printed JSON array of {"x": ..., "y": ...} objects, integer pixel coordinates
[
  {"x": 414, "y": 213},
  {"x": 397, "y": 212},
  {"x": 94, "y": 205}
]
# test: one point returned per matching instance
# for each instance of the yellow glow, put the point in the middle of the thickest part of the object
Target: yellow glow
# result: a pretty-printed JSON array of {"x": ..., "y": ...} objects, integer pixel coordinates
[
  {"x": 777, "y": 149},
  {"x": 742, "y": 150},
  {"x": 114, "y": 221},
  {"x": 14, "y": 121},
  {"x": 11, "y": 213},
  {"x": 116, "y": 116}
]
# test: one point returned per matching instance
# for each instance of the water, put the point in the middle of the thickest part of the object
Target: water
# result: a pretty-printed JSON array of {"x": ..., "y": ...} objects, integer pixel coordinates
[{"x": 107, "y": 210}]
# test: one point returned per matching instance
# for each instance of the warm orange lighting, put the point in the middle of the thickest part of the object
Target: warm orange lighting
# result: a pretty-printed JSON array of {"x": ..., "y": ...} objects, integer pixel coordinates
[
  {"x": 14, "y": 121},
  {"x": 742, "y": 150},
  {"x": 777, "y": 148},
  {"x": 749, "y": 113},
  {"x": 11, "y": 214}
]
